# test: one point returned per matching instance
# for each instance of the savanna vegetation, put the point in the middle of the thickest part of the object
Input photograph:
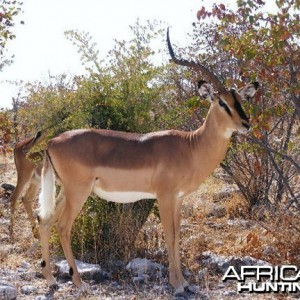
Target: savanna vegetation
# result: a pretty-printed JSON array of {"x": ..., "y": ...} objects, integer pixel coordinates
[{"x": 133, "y": 89}]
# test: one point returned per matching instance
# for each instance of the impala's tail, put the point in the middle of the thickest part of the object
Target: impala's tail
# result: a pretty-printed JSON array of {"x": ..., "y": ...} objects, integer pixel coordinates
[{"x": 47, "y": 196}]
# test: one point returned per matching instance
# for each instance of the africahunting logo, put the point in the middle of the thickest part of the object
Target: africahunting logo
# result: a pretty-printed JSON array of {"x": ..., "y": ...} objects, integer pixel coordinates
[{"x": 265, "y": 279}]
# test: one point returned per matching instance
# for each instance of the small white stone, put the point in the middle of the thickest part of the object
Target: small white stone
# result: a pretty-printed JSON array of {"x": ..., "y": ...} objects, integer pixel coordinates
[{"x": 28, "y": 289}]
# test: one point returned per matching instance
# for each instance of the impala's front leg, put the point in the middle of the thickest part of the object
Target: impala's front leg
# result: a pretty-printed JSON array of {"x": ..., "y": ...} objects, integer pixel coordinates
[
  {"x": 169, "y": 210},
  {"x": 177, "y": 219},
  {"x": 28, "y": 201}
]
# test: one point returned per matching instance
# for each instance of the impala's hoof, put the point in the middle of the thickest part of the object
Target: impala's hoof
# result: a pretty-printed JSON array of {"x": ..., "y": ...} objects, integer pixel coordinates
[
  {"x": 186, "y": 291},
  {"x": 51, "y": 282},
  {"x": 194, "y": 289},
  {"x": 179, "y": 291},
  {"x": 83, "y": 290}
]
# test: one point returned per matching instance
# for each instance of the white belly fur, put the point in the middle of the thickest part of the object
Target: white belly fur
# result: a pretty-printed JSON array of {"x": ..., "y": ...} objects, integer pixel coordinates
[{"x": 122, "y": 197}]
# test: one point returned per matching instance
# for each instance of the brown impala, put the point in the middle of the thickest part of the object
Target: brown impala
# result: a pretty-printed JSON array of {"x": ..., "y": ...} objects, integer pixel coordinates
[{"x": 126, "y": 167}]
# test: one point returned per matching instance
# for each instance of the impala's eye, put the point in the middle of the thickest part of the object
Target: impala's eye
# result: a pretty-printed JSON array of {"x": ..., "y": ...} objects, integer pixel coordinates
[{"x": 224, "y": 105}]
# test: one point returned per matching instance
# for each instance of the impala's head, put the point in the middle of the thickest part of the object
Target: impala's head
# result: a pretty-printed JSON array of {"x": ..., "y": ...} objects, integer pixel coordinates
[{"x": 228, "y": 104}]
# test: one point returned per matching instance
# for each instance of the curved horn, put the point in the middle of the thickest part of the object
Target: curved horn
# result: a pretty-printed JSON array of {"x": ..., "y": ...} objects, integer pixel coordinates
[{"x": 196, "y": 66}]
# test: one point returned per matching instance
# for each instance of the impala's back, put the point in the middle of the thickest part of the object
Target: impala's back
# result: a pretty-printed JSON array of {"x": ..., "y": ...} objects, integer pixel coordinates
[{"x": 116, "y": 162}]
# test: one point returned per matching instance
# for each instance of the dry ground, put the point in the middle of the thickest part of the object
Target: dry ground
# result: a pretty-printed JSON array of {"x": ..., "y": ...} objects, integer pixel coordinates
[{"x": 223, "y": 227}]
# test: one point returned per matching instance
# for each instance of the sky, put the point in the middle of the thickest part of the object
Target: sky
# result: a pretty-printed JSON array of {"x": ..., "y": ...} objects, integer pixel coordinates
[{"x": 40, "y": 47}]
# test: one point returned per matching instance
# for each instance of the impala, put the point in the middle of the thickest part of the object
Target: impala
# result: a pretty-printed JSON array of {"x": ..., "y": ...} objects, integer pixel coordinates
[
  {"x": 28, "y": 173},
  {"x": 126, "y": 167}
]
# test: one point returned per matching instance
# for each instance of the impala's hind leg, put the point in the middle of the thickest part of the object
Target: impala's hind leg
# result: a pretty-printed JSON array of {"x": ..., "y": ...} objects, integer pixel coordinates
[
  {"x": 45, "y": 226},
  {"x": 28, "y": 201},
  {"x": 75, "y": 198},
  {"x": 23, "y": 179}
]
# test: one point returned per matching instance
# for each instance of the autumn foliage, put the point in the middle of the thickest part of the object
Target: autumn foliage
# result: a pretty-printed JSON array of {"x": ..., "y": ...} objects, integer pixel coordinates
[{"x": 252, "y": 44}]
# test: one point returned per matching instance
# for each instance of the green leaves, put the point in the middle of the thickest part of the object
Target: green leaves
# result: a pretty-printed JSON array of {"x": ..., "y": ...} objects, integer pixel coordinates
[
  {"x": 89, "y": 54},
  {"x": 9, "y": 10},
  {"x": 125, "y": 91}
]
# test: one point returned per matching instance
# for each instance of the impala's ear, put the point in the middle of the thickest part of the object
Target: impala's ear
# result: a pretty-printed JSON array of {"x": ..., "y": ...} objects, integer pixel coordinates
[
  {"x": 205, "y": 90},
  {"x": 248, "y": 91}
]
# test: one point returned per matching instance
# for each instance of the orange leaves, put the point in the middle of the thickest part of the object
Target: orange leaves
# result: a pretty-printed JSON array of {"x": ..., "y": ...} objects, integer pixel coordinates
[
  {"x": 252, "y": 245},
  {"x": 5, "y": 128},
  {"x": 276, "y": 240},
  {"x": 201, "y": 14},
  {"x": 218, "y": 11},
  {"x": 265, "y": 39},
  {"x": 283, "y": 34},
  {"x": 5, "y": 133},
  {"x": 253, "y": 240},
  {"x": 263, "y": 73},
  {"x": 257, "y": 168}
]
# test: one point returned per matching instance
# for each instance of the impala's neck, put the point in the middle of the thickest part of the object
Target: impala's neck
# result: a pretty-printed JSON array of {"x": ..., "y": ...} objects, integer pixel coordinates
[{"x": 211, "y": 142}]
